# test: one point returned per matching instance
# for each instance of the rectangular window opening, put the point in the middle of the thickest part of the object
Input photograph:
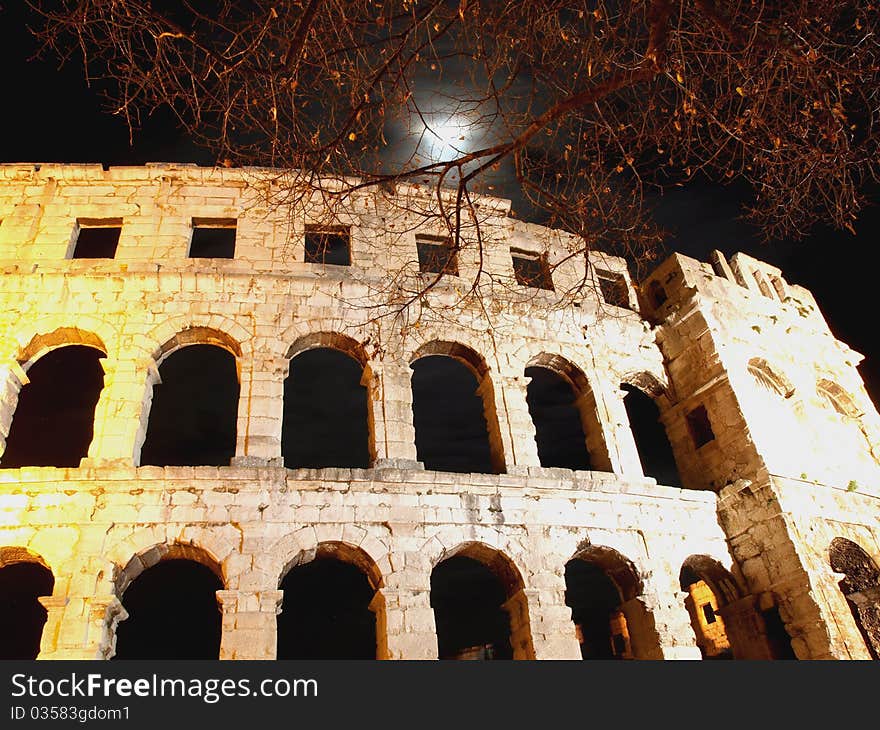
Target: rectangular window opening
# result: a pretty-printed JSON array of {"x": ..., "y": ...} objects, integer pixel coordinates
[
  {"x": 436, "y": 255},
  {"x": 328, "y": 245},
  {"x": 699, "y": 426},
  {"x": 96, "y": 238},
  {"x": 709, "y": 613},
  {"x": 531, "y": 269},
  {"x": 614, "y": 289},
  {"x": 213, "y": 238}
]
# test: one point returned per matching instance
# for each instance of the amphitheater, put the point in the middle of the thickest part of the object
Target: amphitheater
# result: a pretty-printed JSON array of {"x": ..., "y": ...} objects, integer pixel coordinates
[{"x": 231, "y": 427}]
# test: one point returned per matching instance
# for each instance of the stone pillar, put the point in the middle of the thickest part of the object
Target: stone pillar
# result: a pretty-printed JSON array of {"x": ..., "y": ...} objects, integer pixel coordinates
[
  {"x": 261, "y": 412},
  {"x": 523, "y": 449},
  {"x": 517, "y": 607},
  {"x": 502, "y": 450},
  {"x": 249, "y": 623},
  {"x": 595, "y": 431},
  {"x": 620, "y": 444},
  {"x": 392, "y": 430},
  {"x": 12, "y": 378},
  {"x": 122, "y": 411},
  {"x": 660, "y": 630},
  {"x": 867, "y": 613},
  {"x": 405, "y": 627},
  {"x": 745, "y": 629},
  {"x": 80, "y": 628},
  {"x": 553, "y": 632}
]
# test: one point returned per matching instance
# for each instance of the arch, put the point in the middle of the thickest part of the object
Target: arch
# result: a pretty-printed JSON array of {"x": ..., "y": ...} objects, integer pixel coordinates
[
  {"x": 715, "y": 575},
  {"x": 480, "y": 607},
  {"x": 12, "y": 554},
  {"x": 196, "y": 335},
  {"x": 447, "y": 407},
  {"x": 646, "y": 382},
  {"x": 602, "y": 590},
  {"x": 192, "y": 412},
  {"x": 155, "y": 554},
  {"x": 40, "y": 344},
  {"x": 620, "y": 569},
  {"x": 861, "y": 588},
  {"x": 469, "y": 357},
  {"x": 52, "y": 419},
  {"x": 24, "y": 579},
  {"x": 565, "y": 415},
  {"x": 564, "y": 368},
  {"x": 329, "y": 340},
  {"x": 770, "y": 378},
  {"x": 838, "y": 398},
  {"x": 709, "y": 588},
  {"x": 328, "y": 404},
  {"x": 337, "y": 550},
  {"x": 332, "y": 607},
  {"x": 182, "y": 586},
  {"x": 652, "y": 442}
]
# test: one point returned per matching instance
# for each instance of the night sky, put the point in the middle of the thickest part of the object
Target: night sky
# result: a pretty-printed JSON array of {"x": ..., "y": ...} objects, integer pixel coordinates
[{"x": 51, "y": 116}]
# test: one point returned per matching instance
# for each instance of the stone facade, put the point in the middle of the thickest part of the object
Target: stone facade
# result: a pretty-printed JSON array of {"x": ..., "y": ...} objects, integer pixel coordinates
[{"x": 774, "y": 435}]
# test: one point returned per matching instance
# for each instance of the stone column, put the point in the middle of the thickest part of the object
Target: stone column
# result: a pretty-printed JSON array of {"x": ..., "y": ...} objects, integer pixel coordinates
[
  {"x": 522, "y": 451},
  {"x": 12, "y": 378},
  {"x": 249, "y": 623},
  {"x": 517, "y": 607},
  {"x": 122, "y": 411},
  {"x": 660, "y": 629},
  {"x": 553, "y": 632},
  {"x": 392, "y": 430},
  {"x": 596, "y": 432},
  {"x": 405, "y": 627},
  {"x": 502, "y": 450},
  {"x": 620, "y": 444},
  {"x": 745, "y": 629},
  {"x": 80, "y": 628},
  {"x": 261, "y": 412}
]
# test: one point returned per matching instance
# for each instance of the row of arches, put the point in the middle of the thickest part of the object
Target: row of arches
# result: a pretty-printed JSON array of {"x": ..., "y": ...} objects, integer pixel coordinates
[
  {"x": 327, "y": 403},
  {"x": 333, "y": 607}
]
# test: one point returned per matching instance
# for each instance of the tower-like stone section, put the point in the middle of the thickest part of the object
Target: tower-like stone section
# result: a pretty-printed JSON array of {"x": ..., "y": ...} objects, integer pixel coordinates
[{"x": 772, "y": 414}]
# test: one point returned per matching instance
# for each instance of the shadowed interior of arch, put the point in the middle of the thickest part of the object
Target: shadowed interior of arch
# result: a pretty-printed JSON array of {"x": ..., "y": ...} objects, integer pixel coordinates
[
  {"x": 652, "y": 443},
  {"x": 326, "y": 418},
  {"x": 194, "y": 410},
  {"x": 173, "y": 613},
  {"x": 53, "y": 423},
  {"x": 326, "y": 612},
  {"x": 450, "y": 425},
  {"x": 559, "y": 432},
  {"x": 595, "y": 603},
  {"x": 467, "y": 599},
  {"x": 22, "y": 617}
]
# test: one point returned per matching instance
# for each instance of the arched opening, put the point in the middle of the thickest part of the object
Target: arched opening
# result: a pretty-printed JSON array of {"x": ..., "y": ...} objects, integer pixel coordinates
[
  {"x": 194, "y": 409},
  {"x": 726, "y": 624},
  {"x": 454, "y": 417},
  {"x": 597, "y": 584},
  {"x": 22, "y": 617},
  {"x": 479, "y": 607},
  {"x": 54, "y": 420},
  {"x": 861, "y": 587},
  {"x": 172, "y": 613},
  {"x": 559, "y": 428},
  {"x": 704, "y": 609},
  {"x": 655, "y": 452},
  {"x": 330, "y": 608},
  {"x": 326, "y": 412}
]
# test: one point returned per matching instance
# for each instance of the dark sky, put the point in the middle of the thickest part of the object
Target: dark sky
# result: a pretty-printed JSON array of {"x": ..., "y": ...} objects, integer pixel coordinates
[{"x": 50, "y": 116}]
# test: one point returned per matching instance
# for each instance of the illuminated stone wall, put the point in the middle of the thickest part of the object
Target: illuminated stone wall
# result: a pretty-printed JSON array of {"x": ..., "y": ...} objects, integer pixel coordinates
[
  {"x": 795, "y": 437},
  {"x": 98, "y": 526}
]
